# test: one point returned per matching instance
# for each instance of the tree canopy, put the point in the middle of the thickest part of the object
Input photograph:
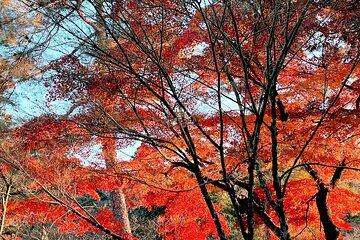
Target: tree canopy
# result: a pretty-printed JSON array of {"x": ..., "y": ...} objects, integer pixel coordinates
[{"x": 242, "y": 116}]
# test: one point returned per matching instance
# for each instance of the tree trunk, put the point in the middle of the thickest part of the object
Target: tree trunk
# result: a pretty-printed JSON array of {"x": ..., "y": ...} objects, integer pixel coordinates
[
  {"x": 44, "y": 234},
  {"x": 117, "y": 197},
  {"x": 331, "y": 231},
  {"x": 5, "y": 200},
  {"x": 119, "y": 210}
]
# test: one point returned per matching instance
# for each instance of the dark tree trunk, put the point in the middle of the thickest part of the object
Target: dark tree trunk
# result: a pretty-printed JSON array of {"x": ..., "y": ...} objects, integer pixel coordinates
[{"x": 331, "y": 231}]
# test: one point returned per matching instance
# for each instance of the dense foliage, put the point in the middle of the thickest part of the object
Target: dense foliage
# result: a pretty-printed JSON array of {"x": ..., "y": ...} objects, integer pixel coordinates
[{"x": 244, "y": 116}]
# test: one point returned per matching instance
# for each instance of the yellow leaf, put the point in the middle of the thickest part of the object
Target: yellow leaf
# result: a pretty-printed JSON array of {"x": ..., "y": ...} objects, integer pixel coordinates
[
  {"x": 11, "y": 40},
  {"x": 5, "y": 3},
  {"x": 37, "y": 20}
]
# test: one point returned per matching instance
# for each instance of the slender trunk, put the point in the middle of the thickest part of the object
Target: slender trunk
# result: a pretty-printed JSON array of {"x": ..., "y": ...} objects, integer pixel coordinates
[
  {"x": 280, "y": 209},
  {"x": 250, "y": 215},
  {"x": 5, "y": 200},
  {"x": 44, "y": 234},
  {"x": 210, "y": 205},
  {"x": 331, "y": 231},
  {"x": 119, "y": 210},
  {"x": 117, "y": 197}
]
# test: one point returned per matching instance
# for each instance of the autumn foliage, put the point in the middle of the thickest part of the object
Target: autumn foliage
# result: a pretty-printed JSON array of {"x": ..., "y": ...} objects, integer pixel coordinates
[{"x": 243, "y": 120}]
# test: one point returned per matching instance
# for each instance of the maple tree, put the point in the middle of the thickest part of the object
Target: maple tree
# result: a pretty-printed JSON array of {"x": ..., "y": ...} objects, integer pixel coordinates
[{"x": 250, "y": 108}]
